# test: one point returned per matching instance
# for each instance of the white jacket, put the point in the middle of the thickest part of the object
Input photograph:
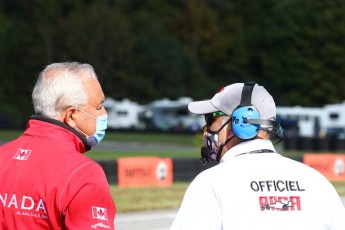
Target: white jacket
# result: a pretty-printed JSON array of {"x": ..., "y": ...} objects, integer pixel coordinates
[{"x": 251, "y": 190}]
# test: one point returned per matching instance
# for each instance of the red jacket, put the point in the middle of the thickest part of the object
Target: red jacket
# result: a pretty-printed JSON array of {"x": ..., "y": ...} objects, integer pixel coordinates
[{"x": 46, "y": 182}]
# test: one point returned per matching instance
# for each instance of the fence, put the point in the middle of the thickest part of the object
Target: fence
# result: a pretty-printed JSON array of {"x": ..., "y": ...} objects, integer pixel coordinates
[
  {"x": 184, "y": 169},
  {"x": 314, "y": 144}
]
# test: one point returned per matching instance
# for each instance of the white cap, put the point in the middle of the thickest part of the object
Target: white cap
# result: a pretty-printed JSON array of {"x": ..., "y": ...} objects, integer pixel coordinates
[{"x": 229, "y": 97}]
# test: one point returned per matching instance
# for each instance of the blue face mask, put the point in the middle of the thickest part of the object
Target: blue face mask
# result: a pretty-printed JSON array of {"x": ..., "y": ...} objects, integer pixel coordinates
[{"x": 101, "y": 126}]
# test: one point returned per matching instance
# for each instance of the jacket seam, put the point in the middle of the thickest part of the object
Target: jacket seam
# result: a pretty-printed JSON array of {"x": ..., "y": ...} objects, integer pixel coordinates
[{"x": 67, "y": 182}]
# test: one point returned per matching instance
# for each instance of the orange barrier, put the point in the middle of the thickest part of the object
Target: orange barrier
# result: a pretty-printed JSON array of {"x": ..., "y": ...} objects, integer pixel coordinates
[
  {"x": 145, "y": 171},
  {"x": 330, "y": 165}
]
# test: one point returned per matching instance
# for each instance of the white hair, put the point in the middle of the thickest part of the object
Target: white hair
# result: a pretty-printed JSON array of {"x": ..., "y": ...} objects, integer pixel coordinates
[{"x": 60, "y": 86}]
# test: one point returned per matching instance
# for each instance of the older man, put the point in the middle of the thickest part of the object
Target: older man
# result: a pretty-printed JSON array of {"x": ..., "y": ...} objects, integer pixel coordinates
[{"x": 46, "y": 181}]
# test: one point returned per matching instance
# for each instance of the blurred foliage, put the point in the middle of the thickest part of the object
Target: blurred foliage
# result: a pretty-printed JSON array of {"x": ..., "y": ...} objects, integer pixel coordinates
[{"x": 147, "y": 50}]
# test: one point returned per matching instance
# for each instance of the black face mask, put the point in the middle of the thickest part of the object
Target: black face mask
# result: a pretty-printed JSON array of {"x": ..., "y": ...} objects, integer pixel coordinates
[{"x": 212, "y": 149}]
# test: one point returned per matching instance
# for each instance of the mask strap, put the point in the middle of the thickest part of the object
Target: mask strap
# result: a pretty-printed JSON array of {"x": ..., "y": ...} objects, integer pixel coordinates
[
  {"x": 85, "y": 113},
  {"x": 76, "y": 128},
  {"x": 221, "y": 148},
  {"x": 220, "y": 129},
  {"x": 222, "y": 145}
]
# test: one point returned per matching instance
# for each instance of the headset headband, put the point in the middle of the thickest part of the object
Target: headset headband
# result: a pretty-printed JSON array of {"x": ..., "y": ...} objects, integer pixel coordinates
[{"x": 246, "y": 97}]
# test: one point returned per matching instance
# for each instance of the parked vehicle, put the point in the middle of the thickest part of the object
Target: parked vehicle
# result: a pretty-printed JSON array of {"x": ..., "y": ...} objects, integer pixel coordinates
[
  {"x": 123, "y": 114},
  {"x": 327, "y": 121},
  {"x": 171, "y": 115},
  {"x": 163, "y": 115}
]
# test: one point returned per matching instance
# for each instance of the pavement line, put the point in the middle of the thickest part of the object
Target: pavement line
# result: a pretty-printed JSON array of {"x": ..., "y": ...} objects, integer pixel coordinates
[{"x": 144, "y": 217}]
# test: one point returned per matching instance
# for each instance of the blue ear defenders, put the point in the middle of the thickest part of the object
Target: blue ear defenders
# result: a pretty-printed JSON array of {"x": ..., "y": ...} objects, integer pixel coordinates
[
  {"x": 246, "y": 122},
  {"x": 240, "y": 126},
  {"x": 245, "y": 111}
]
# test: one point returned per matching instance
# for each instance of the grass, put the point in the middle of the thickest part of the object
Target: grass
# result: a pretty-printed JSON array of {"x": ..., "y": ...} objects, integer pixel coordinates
[
  {"x": 9, "y": 134},
  {"x": 146, "y": 137},
  {"x": 191, "y": 140},
  {"x": 110, "y": 155},
  {"x": 138, "y": 137},
  {"x": 150, "y": 198},
  {"x": 188, "y": 140},
  {"x": 340, "y": 187},
  {"x": 153, "y": 198}
]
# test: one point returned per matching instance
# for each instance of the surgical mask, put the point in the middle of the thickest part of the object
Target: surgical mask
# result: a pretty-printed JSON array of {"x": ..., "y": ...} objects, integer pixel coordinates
[{"x": 101, "y": 126}]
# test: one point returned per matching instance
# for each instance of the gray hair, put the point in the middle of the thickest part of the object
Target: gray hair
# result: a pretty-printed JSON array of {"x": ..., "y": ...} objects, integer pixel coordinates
[{"x": 60, "y": 86}]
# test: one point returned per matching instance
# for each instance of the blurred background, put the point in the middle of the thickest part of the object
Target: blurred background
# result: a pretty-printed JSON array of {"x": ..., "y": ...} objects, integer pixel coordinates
[
  {"x": 151, "y": 50},
  {"x": 155, "y": 56}
]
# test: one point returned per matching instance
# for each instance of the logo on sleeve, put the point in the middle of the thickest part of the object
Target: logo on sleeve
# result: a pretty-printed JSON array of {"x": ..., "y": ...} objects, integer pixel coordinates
[
  {"x": 99, "y": 213},
  {"x": 22, "y": 154}
]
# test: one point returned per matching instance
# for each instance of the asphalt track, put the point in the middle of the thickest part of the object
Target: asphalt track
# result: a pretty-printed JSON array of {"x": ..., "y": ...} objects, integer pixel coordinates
[
  {"x": 151, "y": 220},
  {"x": 137, "y": 146}
]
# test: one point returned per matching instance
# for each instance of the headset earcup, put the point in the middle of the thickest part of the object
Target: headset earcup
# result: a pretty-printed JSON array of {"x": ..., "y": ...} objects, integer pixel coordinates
[{"x": 240, "y": 128}]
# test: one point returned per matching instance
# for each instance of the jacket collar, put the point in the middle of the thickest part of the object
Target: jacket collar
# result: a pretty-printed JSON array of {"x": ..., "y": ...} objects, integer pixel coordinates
[
  {"x": 43, "y": 126},
  {"x": 246, "y": 147}
]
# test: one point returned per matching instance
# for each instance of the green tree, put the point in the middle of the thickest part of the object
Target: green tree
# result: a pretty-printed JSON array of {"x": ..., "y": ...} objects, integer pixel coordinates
[
  {"x": 303, "y": 49},
  {"x": 213, "y": 35},
  {"x": 146, "y": 50}
]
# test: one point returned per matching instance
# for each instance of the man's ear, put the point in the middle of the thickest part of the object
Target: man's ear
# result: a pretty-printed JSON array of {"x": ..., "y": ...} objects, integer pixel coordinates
[{"x": 70, "y": 116}]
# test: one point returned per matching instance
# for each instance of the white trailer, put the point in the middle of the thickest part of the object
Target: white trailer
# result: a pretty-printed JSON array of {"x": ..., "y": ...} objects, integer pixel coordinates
[
  {"x": 123, "y": 114},
  {"x": 166, "y": 114},
  {"x": 328, "y": 120},
  {"x": 332, "y": 120},
  {"x": 307, "y": 119}
]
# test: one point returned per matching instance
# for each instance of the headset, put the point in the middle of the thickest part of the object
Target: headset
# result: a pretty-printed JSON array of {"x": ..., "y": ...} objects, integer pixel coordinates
[{"x": 246, "y": 122}]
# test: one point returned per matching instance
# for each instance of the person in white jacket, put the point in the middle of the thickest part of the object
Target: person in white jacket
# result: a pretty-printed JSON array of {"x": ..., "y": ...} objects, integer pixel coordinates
[{"x": 253, "y": 186}]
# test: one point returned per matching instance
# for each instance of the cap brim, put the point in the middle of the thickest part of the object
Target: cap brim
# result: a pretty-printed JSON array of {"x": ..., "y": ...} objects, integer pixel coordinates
[{"x": 202, "y": 107}]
